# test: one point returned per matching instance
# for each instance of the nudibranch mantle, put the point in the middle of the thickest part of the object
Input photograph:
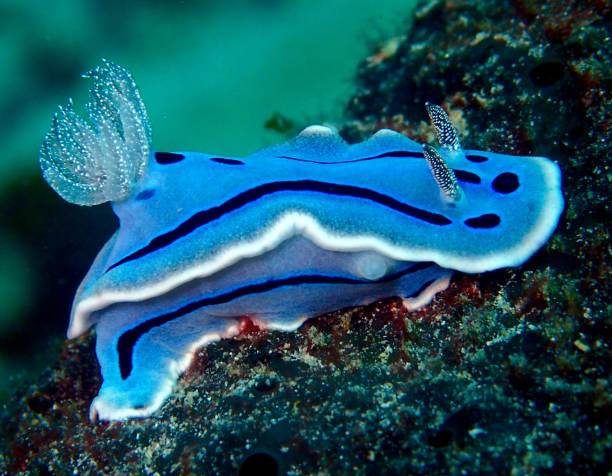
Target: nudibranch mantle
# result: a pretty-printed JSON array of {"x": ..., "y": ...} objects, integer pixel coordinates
[{"x": 287, "y": 233}]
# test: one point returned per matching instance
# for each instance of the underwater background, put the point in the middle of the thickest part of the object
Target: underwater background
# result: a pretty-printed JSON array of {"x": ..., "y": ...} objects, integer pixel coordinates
[
  {"x": 505, "y": 373},
  {"x": 225, "y": 77}
]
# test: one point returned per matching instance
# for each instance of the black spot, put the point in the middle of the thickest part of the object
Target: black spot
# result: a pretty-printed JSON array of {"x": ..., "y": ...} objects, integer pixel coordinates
[
  {"x": 145, "y": 194},
  {"x": 576, "y": 132},
  {"x": 534, "y": 344},
  {"x": 165, "y": 158},
  {"x": 476, "y": 158},
  {"x": 262, "y": 464},
  {"x": 488, "y": 220},
  {"x": 465, "y": 176},
  {"x": 506, "y": 182},
  {"x": 39, "y": 403},
  {"x": 456, "y": 428},
  {"x": 440, "y": 438},
  {"x": 220, "y": 160},
  {"x": 547, "y": 73}
]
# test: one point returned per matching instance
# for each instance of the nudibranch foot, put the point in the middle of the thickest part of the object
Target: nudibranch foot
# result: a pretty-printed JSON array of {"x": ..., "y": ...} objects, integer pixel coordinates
[
  {"x": 100, "y": 160},
  {"x": 423, "y": 298},
  {"x": 158, "y": 360},
  {"x": 143, "y": 347}
]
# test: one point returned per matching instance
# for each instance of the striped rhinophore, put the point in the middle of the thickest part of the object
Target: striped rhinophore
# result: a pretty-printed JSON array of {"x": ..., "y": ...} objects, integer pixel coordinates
[{"x": 285, "y": 234}]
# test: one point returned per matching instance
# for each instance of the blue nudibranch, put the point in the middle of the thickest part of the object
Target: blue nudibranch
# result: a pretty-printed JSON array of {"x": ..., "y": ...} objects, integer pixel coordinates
[{"x": 285, "y": 234}]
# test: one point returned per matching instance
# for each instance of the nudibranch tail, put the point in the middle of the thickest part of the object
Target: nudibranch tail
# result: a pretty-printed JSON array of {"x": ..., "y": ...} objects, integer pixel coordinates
[
  {"x": 447, "y": 135},
  {"x": 443, "y": 174},
  {"x": 99, "y": 160}
]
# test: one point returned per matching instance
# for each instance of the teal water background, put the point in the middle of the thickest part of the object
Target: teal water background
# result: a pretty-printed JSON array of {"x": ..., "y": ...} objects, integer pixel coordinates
[{"x": 212, "y": 74}]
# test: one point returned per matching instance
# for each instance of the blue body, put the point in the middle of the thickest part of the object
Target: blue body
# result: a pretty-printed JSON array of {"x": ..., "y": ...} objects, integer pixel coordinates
[
  {"x": 288, "y": 233},
  {"x": 370, "y": 202},
  {"x": 381, "y": 213}
]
